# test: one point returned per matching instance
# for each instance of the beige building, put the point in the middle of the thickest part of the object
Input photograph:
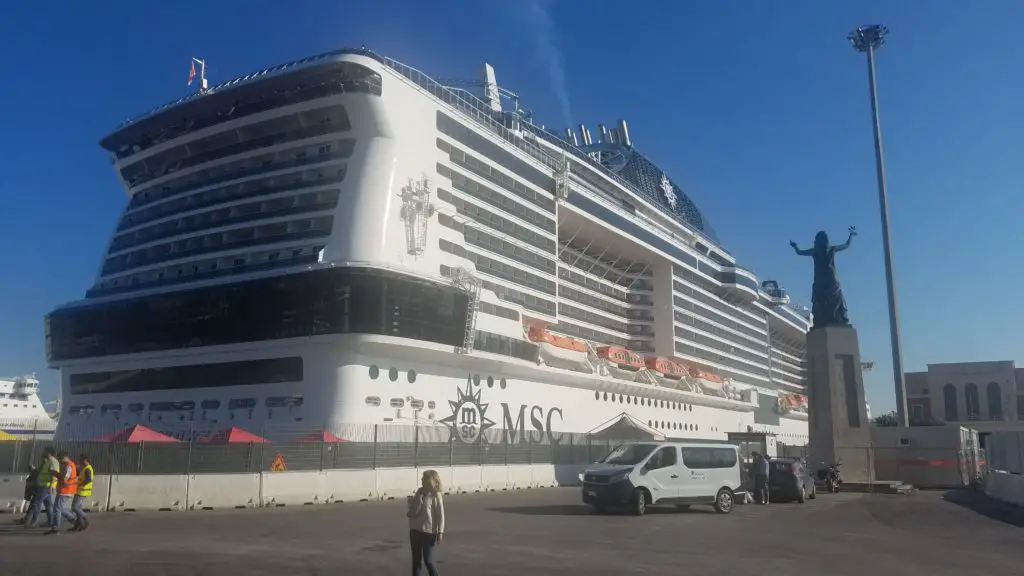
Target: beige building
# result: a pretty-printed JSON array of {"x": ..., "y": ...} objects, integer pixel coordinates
[{"x": 986, "y": 396}]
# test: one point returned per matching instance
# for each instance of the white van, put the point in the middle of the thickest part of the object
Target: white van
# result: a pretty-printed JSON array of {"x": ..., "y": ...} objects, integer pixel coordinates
[{"x": 638, "y": 474}]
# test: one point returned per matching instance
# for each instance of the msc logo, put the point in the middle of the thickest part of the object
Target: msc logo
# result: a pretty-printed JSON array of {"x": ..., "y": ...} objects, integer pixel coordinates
[{"x": 469, "y": 416}]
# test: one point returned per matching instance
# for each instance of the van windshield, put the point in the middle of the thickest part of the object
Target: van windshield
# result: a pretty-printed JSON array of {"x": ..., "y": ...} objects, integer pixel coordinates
[{"x": 629, "y": 454}]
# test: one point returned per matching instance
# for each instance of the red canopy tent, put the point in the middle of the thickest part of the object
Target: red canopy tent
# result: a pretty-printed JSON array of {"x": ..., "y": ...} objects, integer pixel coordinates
[
  {"x": 322, "y": 436},
  {"x": 234, "y": 435},
  {"x": 135, "y": 434}
]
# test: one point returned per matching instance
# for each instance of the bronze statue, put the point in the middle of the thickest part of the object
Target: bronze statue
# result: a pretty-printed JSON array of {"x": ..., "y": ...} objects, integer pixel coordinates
[{"x": 827, "y": 303}]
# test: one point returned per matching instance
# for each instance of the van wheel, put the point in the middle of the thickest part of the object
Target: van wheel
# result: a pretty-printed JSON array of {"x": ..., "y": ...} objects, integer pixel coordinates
[
  {"x": 639, "y": 502},
  {"x": 802, "y": 497},
  {"x": 724, "y": 501}
]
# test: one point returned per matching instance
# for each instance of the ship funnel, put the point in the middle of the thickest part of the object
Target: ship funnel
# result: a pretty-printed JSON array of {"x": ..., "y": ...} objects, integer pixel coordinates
[
  {"x": 624, "y": 134},
  {"x": 585, "y": 135},
  {"x": 491, "y": 95},
  {"x": 613, "y": 136},
  {"x": 570, "y": 137},
  {"x": 602, "y": 134}
]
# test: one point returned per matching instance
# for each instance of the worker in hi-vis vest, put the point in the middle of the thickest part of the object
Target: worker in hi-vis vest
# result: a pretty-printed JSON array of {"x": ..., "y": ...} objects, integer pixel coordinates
[
  {"x": 67, "y": 487},
  {"x": 85, "y": 478},
  {"x": 49, "y": 471}
]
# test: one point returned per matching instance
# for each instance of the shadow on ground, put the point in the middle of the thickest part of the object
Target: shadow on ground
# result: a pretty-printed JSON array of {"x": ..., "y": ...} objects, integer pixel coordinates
[
  {"x": 980, "y": 503},
  {"x": 579, "y": 510}
]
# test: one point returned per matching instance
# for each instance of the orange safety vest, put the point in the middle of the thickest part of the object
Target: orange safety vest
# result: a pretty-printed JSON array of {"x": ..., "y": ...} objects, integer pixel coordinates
[{"x": 68, "y": 484}]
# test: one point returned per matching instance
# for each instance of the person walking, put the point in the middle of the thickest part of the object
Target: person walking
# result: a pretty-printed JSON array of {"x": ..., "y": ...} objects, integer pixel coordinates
[
  {"x": 46, "y": 482},
  {"x": 85, "y": 477},
  {"x": 67, "y": 487},
  {"x": 31, "y": 487},
  {"x": 761, "y": 492},
  {"x": 426, "y": 522}
]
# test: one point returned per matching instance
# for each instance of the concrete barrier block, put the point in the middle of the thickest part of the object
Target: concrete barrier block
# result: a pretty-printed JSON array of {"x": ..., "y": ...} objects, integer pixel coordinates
[
  {"x": 494, "y": 478},
  {"x": 395, "y": 483},
  {"x": 543, "y": 475},
  {"x": 12, "y": 493},
  {"x": 294, "y": 488},
  {"x": 167, "y": 492},
  {"x": 220, "y": 491},
  {"x": 520, "y": 476},
  {"x": 467, "y": 479},
  {"x": 100, "y": 499},
  {"x": 350, "y": 485},
  {"x": 568, "y": 474}
]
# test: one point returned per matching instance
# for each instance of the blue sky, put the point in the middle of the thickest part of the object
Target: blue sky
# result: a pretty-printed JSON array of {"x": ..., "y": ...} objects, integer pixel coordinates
[{"x": 759, "y": 109}]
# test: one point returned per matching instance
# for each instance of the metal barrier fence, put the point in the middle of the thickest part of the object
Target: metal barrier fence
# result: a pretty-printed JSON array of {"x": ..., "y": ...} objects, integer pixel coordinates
[
  {"x": 195, "y": 449},
  {"x": 921, "y": 467},
  {"x": 203, "y": 447}
]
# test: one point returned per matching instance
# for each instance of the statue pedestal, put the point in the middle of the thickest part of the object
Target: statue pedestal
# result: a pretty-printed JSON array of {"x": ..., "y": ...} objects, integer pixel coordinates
[{"x": 838, "y": 420}]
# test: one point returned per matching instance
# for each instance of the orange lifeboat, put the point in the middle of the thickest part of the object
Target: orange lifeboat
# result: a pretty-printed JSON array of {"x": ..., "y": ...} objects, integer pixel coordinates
[
  {"x": 788, "y": 402},
  {"x": 665, "y": 367},
  {"x": 621, "y": 357},
  {"x": 801, "y": 402},
  {"x": 538, "y": 334},
  {"x": 706, "y": 375},
  {"x": 708, "y": 380}
]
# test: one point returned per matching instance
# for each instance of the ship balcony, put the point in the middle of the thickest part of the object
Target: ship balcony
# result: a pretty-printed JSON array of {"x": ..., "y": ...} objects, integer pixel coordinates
[
  {"x": 741, "y": 284},
  {"x": 776, "y": 295}
]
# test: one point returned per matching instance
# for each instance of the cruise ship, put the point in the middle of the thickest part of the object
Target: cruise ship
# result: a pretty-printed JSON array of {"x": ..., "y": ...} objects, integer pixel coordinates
[
  {"x": 22, "y": 413},
  {"x": 345, "y": 241}
]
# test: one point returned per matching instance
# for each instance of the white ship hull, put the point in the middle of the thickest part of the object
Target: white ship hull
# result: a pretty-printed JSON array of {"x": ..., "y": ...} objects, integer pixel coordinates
[{"x": 518, "y": 401}]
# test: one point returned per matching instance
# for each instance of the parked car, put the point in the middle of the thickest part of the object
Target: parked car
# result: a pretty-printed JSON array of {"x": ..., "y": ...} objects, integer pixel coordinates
[
  {"x": 789, "y": 480},
  {"x": 639, "y": 474}
]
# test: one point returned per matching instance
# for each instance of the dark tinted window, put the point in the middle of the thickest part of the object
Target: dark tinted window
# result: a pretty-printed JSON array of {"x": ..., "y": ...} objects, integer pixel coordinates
[
  {"x": 705, "y": 458},
  {"x": 217, "y": 107},
  {"x": 498, "y": 344},
  {"x": 263, "y": 134},
  {"x": 326, "y": 301},
  {"x": 269, "y": 371},
  {"x": 784, "y": 467},
  {"x": 663, "y": 458}
]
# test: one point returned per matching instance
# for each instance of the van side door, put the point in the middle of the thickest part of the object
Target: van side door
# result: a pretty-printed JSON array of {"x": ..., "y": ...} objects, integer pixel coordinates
[{"x": 661, "y": 473}]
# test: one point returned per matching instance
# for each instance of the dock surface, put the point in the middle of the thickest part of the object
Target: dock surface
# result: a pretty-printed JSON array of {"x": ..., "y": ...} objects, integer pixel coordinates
[{"x": 543, "y": 532}]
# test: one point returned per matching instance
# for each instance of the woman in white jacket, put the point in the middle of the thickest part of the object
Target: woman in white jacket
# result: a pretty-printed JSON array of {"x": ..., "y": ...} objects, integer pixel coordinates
[{"x": 426, "y": 522}]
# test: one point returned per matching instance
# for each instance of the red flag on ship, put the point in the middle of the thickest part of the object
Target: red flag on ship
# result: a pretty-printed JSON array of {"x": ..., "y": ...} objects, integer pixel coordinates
[{"x": 191, "y": 72}]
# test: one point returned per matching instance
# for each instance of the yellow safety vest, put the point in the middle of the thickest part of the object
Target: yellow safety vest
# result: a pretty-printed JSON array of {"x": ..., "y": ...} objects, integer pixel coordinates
[
  {"x": 46, "y": 477},
  {"x": 85, "y": 481}
]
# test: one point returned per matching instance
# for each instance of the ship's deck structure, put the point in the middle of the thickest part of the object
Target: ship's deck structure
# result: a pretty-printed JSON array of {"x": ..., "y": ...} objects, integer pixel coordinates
[{"x": 255, "y": 215}]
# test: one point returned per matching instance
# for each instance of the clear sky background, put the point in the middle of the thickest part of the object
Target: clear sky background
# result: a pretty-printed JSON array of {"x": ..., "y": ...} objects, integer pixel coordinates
[{"x": 758, "y": 108}]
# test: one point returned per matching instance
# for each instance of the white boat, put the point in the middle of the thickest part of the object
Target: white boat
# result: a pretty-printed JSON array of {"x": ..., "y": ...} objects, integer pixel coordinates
[
  {"x": 22, "y": 413},
  {"x": 342, "y": 241}
]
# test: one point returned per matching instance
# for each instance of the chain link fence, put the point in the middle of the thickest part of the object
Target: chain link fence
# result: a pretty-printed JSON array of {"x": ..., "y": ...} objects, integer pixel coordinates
[{"x": 189, "y": 448}]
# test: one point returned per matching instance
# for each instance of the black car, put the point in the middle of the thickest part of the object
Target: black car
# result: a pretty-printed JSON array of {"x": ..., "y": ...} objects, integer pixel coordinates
[{"x": 789, "y": 480}]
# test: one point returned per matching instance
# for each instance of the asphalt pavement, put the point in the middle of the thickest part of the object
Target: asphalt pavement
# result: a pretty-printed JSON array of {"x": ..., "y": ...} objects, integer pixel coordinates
[{"x": 543, "y": 532}]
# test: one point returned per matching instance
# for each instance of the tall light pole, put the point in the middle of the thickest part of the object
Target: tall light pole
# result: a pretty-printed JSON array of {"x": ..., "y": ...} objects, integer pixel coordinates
[{"x": 868, "y": 39}]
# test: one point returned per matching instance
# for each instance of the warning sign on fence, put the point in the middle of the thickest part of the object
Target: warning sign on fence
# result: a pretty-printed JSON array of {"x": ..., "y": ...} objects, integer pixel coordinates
[{"x": 277, "y": 465}]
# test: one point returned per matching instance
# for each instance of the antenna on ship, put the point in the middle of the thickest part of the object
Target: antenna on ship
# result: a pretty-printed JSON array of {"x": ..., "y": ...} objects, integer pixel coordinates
[{"x": 202, "y": 74}]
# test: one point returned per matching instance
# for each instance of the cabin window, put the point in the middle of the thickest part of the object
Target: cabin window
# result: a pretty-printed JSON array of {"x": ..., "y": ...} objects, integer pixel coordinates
[{"x": 241, "y": 403}]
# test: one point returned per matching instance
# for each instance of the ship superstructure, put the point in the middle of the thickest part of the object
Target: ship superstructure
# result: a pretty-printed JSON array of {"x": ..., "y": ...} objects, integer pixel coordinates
[
  {"x": 22, "y": 413},
  {"x": 344, "y": 240}
]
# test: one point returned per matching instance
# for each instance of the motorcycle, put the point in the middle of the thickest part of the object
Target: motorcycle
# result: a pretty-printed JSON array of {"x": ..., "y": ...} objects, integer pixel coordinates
[{"x": 832, "y": 476}]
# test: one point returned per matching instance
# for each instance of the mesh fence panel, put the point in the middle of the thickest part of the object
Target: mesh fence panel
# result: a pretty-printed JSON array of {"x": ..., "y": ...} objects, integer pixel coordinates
[{"x": 197, "y": 448}]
